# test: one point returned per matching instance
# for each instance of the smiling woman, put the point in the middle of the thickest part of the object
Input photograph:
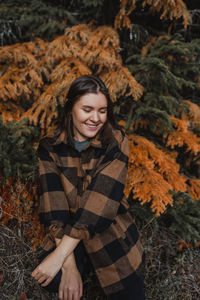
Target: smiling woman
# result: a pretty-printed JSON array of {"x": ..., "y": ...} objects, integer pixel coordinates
[{"x": 82, "y": 205}]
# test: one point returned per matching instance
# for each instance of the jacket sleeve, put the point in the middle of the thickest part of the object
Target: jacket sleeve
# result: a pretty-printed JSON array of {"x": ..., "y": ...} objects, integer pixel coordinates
[
  {"x": 53, "y": 206},
  {"x": 102, "y": 198}
]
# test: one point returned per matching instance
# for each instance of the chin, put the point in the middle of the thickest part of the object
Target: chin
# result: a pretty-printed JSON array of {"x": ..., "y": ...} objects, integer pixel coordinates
[{"x": 91, "y": 135}]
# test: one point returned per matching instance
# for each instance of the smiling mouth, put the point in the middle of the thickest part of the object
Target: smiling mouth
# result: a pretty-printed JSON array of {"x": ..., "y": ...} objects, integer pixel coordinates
[{"x": 92, "y": 126}]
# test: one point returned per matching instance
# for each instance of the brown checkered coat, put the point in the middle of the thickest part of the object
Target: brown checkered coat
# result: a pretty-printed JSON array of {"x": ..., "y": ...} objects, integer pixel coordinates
[{"x": 82, "y": 196}]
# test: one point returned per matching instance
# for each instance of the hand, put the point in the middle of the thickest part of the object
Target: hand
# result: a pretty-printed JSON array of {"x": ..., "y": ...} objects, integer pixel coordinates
[
  {"x": 48, "y": 268},
  {"x": 71, "y": 286}
]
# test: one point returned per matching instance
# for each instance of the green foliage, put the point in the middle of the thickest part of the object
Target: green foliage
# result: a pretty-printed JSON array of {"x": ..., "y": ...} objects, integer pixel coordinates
[
  {"x": 92, "y": 3},
  {"x": 35, "y": 18},
  {"x": 17, "y": 155},
  {"x": 99, "y": 11},
  {"x": 183, "y": 218},
  {"x": 167, "y": 68}
]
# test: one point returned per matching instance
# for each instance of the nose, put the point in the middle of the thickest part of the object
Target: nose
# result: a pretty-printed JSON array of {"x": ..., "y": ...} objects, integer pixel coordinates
[{"x": 95, "y": 116}]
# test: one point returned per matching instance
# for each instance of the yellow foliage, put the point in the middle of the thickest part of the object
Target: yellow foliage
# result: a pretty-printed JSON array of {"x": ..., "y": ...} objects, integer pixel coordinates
[
  {"x": 152, "y": 174},
  {"x": 183, "y": 137}
]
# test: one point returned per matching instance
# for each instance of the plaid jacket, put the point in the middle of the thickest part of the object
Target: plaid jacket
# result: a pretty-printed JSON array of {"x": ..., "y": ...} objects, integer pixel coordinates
[{"x": 82, "y": 196}]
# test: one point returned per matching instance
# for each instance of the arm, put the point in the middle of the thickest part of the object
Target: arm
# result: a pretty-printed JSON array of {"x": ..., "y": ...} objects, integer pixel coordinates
[
  {"x": 53, "y": 205},
  {"x": 71, "y": 285},
  {"x": 50, "y": 266},
  {"x": 53, "y": 214}
]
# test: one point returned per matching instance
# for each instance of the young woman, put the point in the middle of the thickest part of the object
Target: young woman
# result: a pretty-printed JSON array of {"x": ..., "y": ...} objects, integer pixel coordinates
[{"x": 82, "y": 206}]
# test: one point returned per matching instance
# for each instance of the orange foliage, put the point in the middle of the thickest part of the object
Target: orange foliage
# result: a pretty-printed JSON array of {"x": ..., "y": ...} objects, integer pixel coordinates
[
  {"x": 183, "y": 244},
  {"x": 42, "y": 71},
  {"x": 194, "y": 188},
  {"x": 21, "y": 71},
  {"x": 194, "y": 114},
  {"x": 183, "y": 137},
  {"x": 122, "y": 18},
  {"x": 7, "y": 109},
  {"x": 18, "y": 202},
  {"x": 171, "y": 10},
  {"x": 152, "y": 174},
  {"x": 168, "y": 9},
  {"x": 141, "y": 124}
]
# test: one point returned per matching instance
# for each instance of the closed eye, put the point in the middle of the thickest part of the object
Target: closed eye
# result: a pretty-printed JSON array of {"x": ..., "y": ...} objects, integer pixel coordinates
[{"x": 103, "y": 111}]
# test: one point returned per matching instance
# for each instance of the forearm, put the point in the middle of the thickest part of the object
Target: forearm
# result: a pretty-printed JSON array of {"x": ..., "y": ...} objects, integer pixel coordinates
[
  {"x": 70, "y": 260},
  {"x": 65, "y": 248}
]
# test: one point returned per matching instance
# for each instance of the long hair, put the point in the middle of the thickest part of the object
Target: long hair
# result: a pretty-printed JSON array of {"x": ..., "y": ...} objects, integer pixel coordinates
[{"x": 79, "y": 87}]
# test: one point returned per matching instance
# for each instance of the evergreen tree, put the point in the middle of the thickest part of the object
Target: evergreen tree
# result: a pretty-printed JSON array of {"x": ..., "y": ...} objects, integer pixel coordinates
[
  {"x": 24, "y": 21},
  {"x": 16, "y": 150}
]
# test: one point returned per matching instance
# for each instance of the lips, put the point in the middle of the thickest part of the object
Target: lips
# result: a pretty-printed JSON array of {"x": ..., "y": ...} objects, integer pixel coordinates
[{"x": 92, "y": 126}]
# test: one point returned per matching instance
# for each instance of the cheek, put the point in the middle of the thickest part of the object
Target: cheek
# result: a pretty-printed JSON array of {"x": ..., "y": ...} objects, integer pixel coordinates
[
  {"x": 78, "y": 117},
  {"x": 104, "y": 118}
]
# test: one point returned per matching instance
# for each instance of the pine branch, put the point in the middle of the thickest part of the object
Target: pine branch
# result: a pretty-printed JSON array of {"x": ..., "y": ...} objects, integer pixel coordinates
[
  {"x": 183, "y": 137},
  {"x": 152, "y": 174},
  {"x": 168, "y": 10}
]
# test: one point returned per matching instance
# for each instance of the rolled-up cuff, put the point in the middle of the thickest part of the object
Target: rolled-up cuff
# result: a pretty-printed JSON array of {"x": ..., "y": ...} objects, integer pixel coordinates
[
  {"x": 53, "y": 231},
  {"x": 76, "y": 233}
]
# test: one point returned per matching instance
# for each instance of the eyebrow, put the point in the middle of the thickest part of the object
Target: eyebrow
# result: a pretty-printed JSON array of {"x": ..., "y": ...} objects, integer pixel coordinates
[{"x": 88, "y": 106}]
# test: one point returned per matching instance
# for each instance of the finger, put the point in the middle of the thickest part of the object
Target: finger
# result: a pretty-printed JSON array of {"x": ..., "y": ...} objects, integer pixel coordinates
[
  {"x": 76, "y": 295},
  {"x": 81, "y": 290},
  {"x": 41, "y": 279},
  {"x": 61, "y": 294},
  {"x": 39, "y": 275},
  {"x": 65, "y": 294},
  {"x": 48, "y": 280},
  {"x": 62, "y": 291},
  {"x": 69, "y": 295},
  {"x": 36, "y": 274},
  {"x": 33, "y": 274}
]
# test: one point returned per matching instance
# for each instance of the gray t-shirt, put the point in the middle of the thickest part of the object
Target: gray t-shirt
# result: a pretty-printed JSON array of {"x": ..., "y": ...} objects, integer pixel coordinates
[{"x": 79, "y": 146}]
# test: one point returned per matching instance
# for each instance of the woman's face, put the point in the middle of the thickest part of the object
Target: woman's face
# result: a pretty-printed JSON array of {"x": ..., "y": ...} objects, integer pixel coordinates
[{"x": 89, "y": 114}]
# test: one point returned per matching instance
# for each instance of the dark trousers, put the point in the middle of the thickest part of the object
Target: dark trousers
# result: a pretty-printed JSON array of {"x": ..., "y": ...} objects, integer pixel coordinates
[{"x": 133, "y": 292}]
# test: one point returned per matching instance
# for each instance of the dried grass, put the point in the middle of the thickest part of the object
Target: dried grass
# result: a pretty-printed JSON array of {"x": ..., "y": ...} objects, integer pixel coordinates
[{"x": 169, "y": 275}]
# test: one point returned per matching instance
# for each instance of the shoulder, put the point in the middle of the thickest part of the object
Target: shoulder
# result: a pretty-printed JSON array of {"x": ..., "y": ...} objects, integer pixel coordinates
[
  {"x": 45, "y": 143},
  {"x": 119, "y": 136},
  {"x": 48, "y": 141},
  {"x": 118, "y": 147},
  {"x": 121, "y": 140},
  {"x": 45, "y": 146}
]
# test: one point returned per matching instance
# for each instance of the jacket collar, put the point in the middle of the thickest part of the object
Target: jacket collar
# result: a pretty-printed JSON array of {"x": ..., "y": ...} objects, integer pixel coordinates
[{"x": 62, "y": 138}]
